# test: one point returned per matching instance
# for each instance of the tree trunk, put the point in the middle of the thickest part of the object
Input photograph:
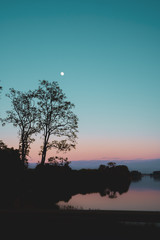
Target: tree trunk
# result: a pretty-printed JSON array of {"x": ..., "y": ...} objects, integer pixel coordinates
[
  {"x": 23, "y": 153},
  {"x": 44, "y": 151},
  {"x": 44, "y": 155}
]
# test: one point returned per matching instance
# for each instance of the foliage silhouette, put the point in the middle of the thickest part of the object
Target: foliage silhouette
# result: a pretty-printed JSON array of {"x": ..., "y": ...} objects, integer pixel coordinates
[
  {"x": 0, "y": 89},
  {"x": 11, "y": 175},
  {"x": 136, "y": 175},
  {"x": 59, "y": 161},
  {"x": 56, "y": 118},
  {"x": 111, "y": 164},
  {"x": 23, "y": 115},
  {"x": 43, "y": 110},
  {"x": 156, "y": 175},
  {"x": 0, "y": 92},
  {"x": 46, "y": 185}
]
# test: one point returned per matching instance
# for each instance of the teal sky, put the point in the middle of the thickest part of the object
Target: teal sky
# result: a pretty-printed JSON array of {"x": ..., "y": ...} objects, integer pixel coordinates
[{"x": 109, "y": 51}]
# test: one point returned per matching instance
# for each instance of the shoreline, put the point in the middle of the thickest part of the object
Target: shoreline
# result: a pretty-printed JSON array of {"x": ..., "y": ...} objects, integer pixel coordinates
[
  {"x": 80, "y": 224},
  {"x": 116, "y": 215}
]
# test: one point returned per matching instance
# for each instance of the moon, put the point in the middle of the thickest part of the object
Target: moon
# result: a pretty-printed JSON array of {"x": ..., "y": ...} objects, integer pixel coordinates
[{"x": 62, "y": 73}]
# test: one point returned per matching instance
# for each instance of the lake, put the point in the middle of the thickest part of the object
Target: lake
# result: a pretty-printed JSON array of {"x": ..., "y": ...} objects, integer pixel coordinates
[{"x": 143, "y": 195}]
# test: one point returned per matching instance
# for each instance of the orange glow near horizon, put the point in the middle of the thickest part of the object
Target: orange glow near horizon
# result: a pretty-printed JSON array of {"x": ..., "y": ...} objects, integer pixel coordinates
[
  {"x": 99, "y": 148},
  {"x": 104, "y": 149}
]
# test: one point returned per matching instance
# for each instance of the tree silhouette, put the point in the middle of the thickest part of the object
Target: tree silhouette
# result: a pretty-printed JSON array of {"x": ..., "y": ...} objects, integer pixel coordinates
[
  {"x": 9, "y": 158},
  {"x": 3, "y": 146},
  {"x": 23, "y": 115},
  {"x": 55, "y": 118},
  {"x": 0, "y": 89},
  {"x": 111, "y": 164},
  {"x": 0, "y": 96},
  {"x": 59, "y": 161}
]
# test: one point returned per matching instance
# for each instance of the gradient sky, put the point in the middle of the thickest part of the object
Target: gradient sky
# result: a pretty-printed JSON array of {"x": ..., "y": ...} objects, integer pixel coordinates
[{"x": 109, "y": 51}]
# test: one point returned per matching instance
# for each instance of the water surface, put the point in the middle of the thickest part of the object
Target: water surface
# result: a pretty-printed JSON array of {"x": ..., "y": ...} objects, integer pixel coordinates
[{"x": 142, "y": 195}]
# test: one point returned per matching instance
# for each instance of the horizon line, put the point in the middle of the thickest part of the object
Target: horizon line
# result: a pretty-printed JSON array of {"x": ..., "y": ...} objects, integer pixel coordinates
[{"x": 103, "y": 160}]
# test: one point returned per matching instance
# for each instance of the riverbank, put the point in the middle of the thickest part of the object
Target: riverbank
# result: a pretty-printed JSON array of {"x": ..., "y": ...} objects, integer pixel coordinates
[{"x": 81, "y": 224}]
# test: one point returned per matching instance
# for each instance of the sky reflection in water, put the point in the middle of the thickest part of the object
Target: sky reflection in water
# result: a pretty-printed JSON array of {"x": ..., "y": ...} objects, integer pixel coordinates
[{"x": 142, "y": 195}]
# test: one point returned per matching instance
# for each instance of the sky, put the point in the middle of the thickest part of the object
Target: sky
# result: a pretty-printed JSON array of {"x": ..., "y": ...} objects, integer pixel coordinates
[{"x": 109, "y": 51}]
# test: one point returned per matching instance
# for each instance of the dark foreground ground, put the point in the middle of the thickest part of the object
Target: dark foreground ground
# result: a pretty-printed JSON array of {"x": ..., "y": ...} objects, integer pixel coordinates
[{"x": 79, "y": 224}]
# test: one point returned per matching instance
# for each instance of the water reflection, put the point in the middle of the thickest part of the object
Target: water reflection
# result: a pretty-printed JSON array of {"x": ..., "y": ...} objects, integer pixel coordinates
[
  {"x": 146, "y": 182},
  {"x": 111, "y": 194},
  {"x": 47, "y": 185},
  {"x": 142, "y": 195}
]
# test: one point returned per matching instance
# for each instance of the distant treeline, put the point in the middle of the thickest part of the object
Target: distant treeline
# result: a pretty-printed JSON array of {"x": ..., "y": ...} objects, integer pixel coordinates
[
  {"x": 156, "y": 175},
  {"x": 47, "y": 184},
  {"x": 52, "y": 182}
]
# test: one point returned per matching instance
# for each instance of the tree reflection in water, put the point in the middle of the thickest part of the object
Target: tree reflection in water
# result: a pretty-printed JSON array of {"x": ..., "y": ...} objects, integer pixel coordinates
[{"x": 45, "y": 186}]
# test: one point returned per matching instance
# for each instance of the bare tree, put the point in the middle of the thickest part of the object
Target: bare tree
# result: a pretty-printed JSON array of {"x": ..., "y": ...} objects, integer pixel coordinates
[
  {"x": 23, "y": 115},
  {"x": 55, "y": 118}
]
